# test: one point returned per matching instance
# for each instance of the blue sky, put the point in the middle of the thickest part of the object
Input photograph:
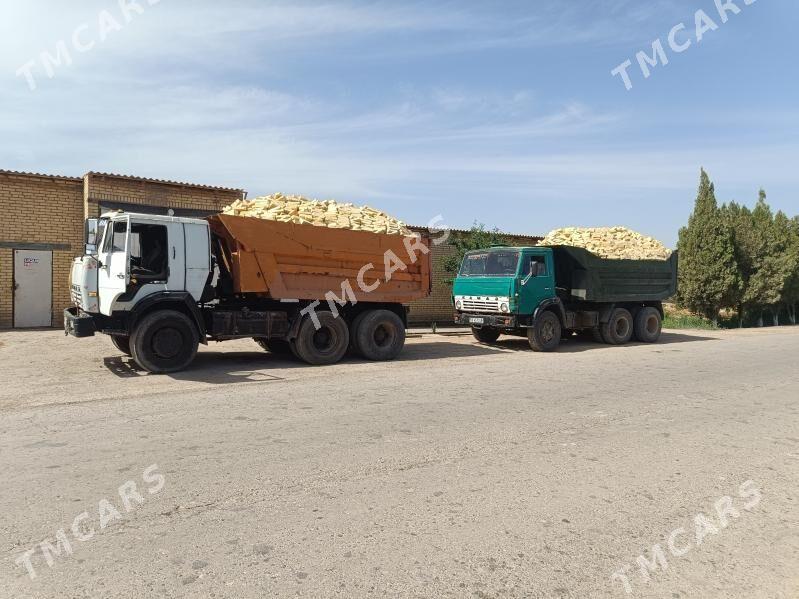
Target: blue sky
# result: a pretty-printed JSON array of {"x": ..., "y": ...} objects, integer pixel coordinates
[{"x": 499, "y": 112}]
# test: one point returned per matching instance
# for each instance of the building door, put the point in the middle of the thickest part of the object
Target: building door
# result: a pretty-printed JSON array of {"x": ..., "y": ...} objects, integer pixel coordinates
[{"x": 33, "y": 288}]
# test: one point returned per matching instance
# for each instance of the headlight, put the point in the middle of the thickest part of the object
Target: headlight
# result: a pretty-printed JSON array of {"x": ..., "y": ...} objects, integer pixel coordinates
[
  {"x": 458, "y": 304},
  {"x": 504, "y": 308}
]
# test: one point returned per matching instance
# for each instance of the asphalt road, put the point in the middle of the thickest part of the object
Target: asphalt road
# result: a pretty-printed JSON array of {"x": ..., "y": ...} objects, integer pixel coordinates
[{"x": 458, "y": 471}]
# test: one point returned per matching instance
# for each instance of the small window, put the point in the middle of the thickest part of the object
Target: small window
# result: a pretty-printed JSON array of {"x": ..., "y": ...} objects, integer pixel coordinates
[
  {"x": 115, "y": 237},
  {"x": 538, "y": 266}
]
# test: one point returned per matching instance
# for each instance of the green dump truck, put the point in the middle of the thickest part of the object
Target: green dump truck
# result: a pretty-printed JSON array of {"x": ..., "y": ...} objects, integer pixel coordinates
[{"x": 549, "y": 293}]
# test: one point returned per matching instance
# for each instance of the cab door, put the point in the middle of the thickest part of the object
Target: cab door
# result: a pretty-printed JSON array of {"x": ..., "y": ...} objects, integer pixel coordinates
[
  {"x": 537, "y": 280},
  {"x": 113, "y": 272}
]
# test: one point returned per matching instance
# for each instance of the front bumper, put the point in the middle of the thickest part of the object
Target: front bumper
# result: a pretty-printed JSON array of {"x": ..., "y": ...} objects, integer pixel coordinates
[
  {"x": 497, "y": 321},
  {"x": 78, "y": 324}
]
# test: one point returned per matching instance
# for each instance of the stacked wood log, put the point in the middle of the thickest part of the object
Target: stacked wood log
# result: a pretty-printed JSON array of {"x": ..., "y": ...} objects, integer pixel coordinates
[
  {"x": 616, "y": 243},
  {"x": 321, "y": 213}
]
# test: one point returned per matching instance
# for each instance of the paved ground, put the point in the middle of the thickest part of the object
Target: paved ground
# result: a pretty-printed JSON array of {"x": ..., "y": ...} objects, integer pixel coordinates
[{"x": 458, "y": 471}]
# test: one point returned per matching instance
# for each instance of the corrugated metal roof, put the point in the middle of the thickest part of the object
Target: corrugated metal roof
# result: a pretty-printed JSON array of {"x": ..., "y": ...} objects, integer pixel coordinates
[
  {"x": 162, "y": 181},
  {"x": 420, "y": 228},
  {"x": 42, "y": 175}
]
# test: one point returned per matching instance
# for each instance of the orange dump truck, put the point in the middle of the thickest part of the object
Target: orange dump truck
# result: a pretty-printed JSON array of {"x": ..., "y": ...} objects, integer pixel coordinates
[{"x": 161, "y": 285}]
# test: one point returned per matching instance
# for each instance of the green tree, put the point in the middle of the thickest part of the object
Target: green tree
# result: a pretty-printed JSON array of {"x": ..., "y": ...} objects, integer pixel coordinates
[
  {"x": 739, "y": 220},
  {"x": 770, "y": 260},
  {"x": 477, "y": 238},
  {"x": 708, "y": 270},
  {"x": 790, "y": 293}
]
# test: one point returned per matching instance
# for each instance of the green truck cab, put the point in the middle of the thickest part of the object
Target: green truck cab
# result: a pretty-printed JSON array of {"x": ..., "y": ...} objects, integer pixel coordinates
[{"x": 548, "y": 293}]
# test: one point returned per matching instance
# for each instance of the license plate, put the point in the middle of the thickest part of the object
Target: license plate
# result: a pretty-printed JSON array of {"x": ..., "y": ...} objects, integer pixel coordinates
[{"x": 476, "y": 320}]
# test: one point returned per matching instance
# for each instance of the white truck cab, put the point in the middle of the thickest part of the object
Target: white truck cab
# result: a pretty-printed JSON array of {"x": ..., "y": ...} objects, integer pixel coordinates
[{"x": 135, "y": 256}]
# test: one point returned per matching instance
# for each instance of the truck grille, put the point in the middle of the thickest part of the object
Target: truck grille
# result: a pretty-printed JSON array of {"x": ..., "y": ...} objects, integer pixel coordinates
[
  {"x": 74, "y": 293},
  {"x": 478, "y": 304}
]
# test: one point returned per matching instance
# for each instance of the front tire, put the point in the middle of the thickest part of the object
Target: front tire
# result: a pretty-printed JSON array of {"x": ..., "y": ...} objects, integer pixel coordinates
[
  {"x": 486, "y": 335},
  {"x": 648, "y": 325},
  {"x": 618, "y": 330},
  {"x": 544, "y": 335},
  {"x": 379, "y": 335},
  {"x": 327, "y": 345},
  {"x": 164, "y": 341},
  {"x": 122, "y": 343}
]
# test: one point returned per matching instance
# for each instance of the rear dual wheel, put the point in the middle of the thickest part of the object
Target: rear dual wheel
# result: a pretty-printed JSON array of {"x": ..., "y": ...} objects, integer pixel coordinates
[
  {"x": 648, "y": 325},
  {"x": 618, "y": 330},
  {"x": 378, "y": 335},
  {"x": 323, "y": 344}
]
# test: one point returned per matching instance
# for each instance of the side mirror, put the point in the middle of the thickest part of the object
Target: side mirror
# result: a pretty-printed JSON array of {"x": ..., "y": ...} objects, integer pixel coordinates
[{"x": 91, "y": 233}]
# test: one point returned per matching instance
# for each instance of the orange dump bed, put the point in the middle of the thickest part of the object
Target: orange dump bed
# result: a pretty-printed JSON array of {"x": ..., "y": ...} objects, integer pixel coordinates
[{"x": 306, "y": 262}]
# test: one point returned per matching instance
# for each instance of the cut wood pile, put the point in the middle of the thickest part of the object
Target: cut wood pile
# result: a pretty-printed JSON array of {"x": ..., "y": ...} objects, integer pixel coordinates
[
  {"x": 615, "y": 243},
  {"x": 326, "y": 213}
]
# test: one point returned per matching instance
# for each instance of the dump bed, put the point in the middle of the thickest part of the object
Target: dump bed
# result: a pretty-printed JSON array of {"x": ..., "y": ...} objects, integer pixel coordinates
[
  {"x": 305, "y": 262},
  {"x": 582, "y": 275}
]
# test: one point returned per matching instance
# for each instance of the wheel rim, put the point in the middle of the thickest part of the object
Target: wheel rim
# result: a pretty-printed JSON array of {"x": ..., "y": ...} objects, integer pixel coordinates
[
  {"x": 167, "y": 343},
  {"x": 622, "y": 328},
  {"x": 548, "y": 332},
  {"x": 384, "y": 335},
  {"x": 324, "y": 340},
  {"x": 652, "y": 325}
]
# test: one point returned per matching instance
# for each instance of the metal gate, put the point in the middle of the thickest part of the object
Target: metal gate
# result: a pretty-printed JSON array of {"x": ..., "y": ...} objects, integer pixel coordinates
[{"x": 33, "y": 288}]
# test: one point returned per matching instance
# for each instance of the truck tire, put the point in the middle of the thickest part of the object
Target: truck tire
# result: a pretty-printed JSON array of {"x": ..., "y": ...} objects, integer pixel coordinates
[
  {"x": 164, "y": 341},
  {"x": 279, "y": 347},
  {"x": 486, "y": 335},
  {"x": 122, "y": 343},
  {"x": 324, "y": 346},
  {"x": 545, "y": 333},
  {"x": 354, "y": 326},
  {"x": 648, "y": 325},
  {"x": 618, "y": 330},
  {"x": 379, "y": 335}
]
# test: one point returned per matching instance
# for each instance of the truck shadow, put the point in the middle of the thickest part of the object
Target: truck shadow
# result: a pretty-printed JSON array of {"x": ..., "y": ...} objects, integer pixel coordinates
[
  {"x": 222, "y": 368},
  {"x": 579, "y": 344}
]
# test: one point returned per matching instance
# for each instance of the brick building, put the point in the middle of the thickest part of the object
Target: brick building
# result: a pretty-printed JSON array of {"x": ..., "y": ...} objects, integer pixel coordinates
[{"x": 41, "y": 231}]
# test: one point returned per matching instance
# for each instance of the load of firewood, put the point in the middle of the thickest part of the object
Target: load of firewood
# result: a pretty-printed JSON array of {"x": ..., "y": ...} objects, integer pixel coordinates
[
  {"x": 615, "y": 243},
  {"x": 326, "y": 213}
]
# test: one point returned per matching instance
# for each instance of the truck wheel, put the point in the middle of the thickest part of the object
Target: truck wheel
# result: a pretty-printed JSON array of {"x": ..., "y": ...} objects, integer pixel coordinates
[
  {"x": 619, "y": 328},
  {"x": 544, "y": 335},
  {"x": 164, "y": 341},
  {"x": 279, "y": 347},
  {"x": 485, "y": 335},
  {"x": 122, "y": 343},
  {"x": 648, "y": 325},
  {"x": 354, "y": 326},
  {"x": 380, "y": 335},
  {"x": 324, "y": 346}
]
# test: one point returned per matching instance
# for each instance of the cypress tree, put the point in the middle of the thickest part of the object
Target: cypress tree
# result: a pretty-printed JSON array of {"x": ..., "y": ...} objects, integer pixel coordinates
[
  {"x": 708, "y": 270},
  {"x": 770, "y": 261},
  {"x": 790, "y": 293}
]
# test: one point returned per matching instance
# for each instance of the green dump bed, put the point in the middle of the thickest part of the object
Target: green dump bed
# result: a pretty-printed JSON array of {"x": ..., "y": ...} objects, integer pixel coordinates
[{"x": 583, "y": 276}]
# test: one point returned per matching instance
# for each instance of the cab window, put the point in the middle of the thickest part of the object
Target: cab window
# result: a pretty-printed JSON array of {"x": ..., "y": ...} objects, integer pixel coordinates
[
  {"x": 148, "y": 251},
  {"x": 115, "y": 237}
]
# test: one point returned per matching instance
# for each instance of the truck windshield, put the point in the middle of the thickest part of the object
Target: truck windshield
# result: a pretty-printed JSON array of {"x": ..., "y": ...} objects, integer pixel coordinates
[{"x": 497, "y": 263}]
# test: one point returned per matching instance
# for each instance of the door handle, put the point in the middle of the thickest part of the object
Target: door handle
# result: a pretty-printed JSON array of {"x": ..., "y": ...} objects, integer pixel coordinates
[{"x": 120, "y": 276}]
